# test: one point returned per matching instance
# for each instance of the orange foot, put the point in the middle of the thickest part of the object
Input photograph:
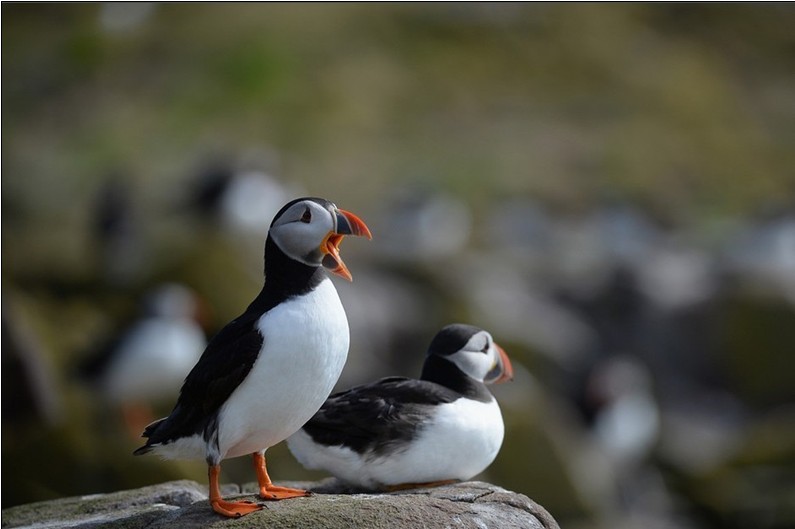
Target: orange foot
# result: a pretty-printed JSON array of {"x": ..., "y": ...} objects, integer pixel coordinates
[
  {"x": 269, "y": 491},
  {"x": 234, "y": 509},
  {"x": 272, "y": 492}
]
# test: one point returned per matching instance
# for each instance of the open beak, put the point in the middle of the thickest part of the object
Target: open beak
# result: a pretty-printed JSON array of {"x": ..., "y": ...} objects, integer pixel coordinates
[
  {"x": 502, "y": 370},
  {"x": 347, "y": 224}
]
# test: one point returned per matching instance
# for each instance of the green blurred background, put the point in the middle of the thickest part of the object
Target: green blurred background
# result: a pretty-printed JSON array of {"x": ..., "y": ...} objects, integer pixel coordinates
[{"x": 609, "y": 189}]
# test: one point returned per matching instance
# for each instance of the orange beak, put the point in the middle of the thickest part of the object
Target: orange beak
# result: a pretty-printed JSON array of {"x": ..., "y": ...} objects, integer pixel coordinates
[
  {"x": 503, "y": 371},
  {"x": 347, "y": 224}
]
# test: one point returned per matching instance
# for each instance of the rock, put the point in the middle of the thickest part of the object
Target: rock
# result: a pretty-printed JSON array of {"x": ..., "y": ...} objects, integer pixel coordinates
[{"x": 184, "y": 504}]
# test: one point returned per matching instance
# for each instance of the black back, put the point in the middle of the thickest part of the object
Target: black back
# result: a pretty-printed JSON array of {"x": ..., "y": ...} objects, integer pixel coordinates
[{"x": 376, "y": 417}]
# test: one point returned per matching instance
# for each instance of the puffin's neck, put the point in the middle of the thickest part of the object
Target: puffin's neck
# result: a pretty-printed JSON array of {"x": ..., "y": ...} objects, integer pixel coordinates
[
  {"x": 445, "y": 373},
  {"x": 284, "y": 278}
]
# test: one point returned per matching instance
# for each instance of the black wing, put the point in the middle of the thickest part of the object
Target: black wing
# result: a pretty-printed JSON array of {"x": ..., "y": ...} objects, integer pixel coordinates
[
  {"x": 224, "y": 364},
  {"x": 375, "y": 416}
]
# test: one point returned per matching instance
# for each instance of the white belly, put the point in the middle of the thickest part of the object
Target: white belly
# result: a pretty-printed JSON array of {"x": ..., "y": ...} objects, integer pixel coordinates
[
  {"x": 461, "y": 441},
  {"x": 173, "y": 346},
  {"x": 304, "y": 350}
]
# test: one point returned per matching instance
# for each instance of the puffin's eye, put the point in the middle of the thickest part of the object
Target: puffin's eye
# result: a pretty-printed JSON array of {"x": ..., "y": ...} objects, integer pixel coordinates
[{"x": 307, "y": 216}]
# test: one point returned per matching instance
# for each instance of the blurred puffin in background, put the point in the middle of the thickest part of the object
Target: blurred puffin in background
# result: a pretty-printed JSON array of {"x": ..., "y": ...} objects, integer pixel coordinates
[
  {"x": 145, "y": 364},
  {"x": 241, "y": 197}
]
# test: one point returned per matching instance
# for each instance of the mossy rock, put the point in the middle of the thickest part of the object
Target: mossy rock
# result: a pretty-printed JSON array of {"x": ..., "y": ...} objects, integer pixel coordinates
[{"x": 184, "y": 504}]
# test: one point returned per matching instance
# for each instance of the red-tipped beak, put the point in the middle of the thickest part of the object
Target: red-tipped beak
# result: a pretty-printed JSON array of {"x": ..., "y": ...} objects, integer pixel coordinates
[
  {"x": 505, "y": 369},
  {"x": 350, "y": 224},
  {"x": 347, "y": 224}
]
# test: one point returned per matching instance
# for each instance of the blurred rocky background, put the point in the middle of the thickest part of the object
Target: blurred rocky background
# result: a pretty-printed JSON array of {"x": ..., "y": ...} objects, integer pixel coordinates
[{"x": 609, "y": 189}]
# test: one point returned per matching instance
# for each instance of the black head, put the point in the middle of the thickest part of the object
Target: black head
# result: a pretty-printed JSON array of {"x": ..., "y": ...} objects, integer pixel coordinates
[
  {"x": 473, "y": 351},
  {"x": 310, "y": 229}
]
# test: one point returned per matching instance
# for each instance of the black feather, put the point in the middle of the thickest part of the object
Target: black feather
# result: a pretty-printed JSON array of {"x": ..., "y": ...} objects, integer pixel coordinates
[
  {"x": 373, "y": 417},
  {"x": 222, "y": 367}
]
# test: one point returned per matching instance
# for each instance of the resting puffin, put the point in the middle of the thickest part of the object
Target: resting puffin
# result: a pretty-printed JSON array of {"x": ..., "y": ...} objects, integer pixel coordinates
[
  {"x": 400, "y": 432},
  {"x": 270, "y": 369}
]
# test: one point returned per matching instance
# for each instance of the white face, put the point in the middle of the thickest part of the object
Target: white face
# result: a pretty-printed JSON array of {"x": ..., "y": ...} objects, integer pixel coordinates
[
  {"x": 300, "y": 231},
  {"x": 479, "y": 358}
]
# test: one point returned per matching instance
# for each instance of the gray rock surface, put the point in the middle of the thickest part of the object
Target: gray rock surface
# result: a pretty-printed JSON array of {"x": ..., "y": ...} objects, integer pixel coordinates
[{"x": 183, "y": 504}]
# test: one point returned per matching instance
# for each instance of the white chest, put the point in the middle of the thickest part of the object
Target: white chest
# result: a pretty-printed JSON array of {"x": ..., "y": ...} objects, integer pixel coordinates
[
  {"x": 305, "y": 345},
  {"x": 458, "y": 442},
  {"x": 461, "y": 440}
]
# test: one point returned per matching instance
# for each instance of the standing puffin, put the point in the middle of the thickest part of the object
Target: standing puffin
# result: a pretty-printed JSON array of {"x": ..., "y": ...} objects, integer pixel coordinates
[
  {"x": 400, "y": 432},
  {"x": 270, "y": 369}
]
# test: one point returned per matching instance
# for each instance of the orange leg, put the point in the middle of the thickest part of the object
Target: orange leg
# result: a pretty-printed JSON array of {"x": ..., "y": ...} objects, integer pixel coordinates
[
  {"x": 233, "y": 509},
  {"x": 269, "y": 491},
  {"x": 405, "y": 486}
]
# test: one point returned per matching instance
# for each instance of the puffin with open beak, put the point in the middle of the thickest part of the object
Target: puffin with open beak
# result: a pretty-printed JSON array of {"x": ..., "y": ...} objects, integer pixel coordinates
[
  {"x": 401, "y": 433},
  {"x": 270, "y": 369}
]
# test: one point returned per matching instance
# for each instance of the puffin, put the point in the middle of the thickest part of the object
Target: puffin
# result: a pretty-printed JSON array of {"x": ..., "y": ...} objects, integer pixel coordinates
[
  {"x": 270, "y": 369},
  {"x": 169, "y": 335},
  {"x": 399, "y": 433}
]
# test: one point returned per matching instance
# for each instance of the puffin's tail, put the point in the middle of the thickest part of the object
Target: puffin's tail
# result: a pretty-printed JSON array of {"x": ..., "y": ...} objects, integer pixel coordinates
[{"x": 148, "y": 431}]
